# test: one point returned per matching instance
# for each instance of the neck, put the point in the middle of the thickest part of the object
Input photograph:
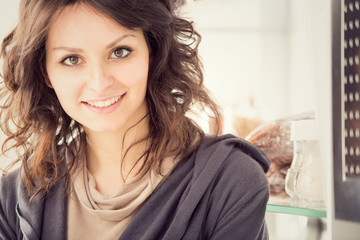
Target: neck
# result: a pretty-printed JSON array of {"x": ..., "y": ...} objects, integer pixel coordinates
[{"x": 109, "y": 155}]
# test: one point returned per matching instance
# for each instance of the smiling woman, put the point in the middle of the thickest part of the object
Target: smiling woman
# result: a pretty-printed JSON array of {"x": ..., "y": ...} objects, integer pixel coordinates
[
  {"x": 106, "y": 69},
  {"x": 99, "y": 92}
]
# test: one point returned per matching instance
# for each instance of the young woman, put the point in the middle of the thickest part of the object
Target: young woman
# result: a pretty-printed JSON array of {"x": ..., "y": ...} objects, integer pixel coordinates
[{"x": 96, "y": 96}]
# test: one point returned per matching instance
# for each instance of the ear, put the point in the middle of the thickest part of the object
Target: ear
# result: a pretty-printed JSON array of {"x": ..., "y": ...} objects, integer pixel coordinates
[{"x": 46, "y": 77}]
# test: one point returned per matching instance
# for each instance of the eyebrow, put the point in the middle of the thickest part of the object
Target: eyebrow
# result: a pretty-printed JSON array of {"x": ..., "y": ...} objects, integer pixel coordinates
[{"x": 110, "y": 45}]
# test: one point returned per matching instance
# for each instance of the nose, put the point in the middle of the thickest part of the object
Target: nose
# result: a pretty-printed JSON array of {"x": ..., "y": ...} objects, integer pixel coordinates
[{"x": 100, "y": 79}]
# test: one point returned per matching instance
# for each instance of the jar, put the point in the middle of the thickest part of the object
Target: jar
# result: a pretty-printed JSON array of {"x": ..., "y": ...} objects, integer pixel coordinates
[{"x": 303, "y": 180}]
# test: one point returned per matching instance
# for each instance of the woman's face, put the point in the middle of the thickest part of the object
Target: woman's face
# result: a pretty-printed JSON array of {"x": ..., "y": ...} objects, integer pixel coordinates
[{"x": 97, "y": 68}]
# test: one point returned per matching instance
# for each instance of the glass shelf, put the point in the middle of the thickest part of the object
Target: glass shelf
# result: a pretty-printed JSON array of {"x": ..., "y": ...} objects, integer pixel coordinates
[{"x": 284, "y": 206}]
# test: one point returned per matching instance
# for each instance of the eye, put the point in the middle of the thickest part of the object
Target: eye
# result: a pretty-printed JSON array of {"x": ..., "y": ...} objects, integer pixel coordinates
[
  {"x": 121, "y": 53},
  {"x": 71, "y": 61}
]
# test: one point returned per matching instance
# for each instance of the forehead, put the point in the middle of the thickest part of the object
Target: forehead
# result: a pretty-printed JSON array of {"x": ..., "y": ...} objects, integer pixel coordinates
[{"x": 83, "y": 20}]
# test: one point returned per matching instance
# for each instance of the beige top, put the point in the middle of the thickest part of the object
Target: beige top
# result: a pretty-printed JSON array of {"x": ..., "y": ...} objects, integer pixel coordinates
[{"x": 92, "y": 215}]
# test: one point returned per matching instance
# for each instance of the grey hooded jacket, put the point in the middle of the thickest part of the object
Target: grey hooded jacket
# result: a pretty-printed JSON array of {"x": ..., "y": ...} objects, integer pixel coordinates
[{"x": 219, "y": 192}]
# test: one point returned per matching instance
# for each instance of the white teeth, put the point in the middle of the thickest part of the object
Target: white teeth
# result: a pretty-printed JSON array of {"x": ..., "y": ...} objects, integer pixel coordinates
[{"x": 104, "y": 104}]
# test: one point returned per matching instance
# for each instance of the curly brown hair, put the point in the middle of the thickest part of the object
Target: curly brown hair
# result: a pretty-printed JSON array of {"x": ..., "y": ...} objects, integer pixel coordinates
[{"x": 34, "y": 121}]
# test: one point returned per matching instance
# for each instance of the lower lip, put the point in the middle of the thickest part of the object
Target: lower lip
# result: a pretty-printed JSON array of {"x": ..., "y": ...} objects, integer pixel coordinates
[{"x": 105, "y": 110}]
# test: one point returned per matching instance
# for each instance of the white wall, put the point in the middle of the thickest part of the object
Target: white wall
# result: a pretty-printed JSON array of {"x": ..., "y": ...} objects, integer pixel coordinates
[
  {"x": 8, "y": 15},
  {"x": 245, "y": 53}
]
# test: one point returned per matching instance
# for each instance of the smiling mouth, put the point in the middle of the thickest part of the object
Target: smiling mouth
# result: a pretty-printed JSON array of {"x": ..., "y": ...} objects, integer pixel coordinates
[{"x": 106, "y": 103}]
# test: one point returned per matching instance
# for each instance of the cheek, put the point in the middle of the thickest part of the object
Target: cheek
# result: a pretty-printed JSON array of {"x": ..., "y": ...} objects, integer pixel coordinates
[
  {"x": 139, "y": 74},
  {"x": 140, "y": 80},
  {"x": 140, "y": 86},
  {"x": 132, "y": 76},
  {"x": 61, "y": 78},
  {"x": 65, "y": 87}
]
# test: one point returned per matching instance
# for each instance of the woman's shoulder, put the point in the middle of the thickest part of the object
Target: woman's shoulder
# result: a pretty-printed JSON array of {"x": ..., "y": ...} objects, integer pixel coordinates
[
  {"x": 238, "y": 191},
  {"x": 229, "y": 150},
  {"x": 229, "y": 160},
  {"x": 20, "y": 214},
  {"x": 9, "y": 182}
]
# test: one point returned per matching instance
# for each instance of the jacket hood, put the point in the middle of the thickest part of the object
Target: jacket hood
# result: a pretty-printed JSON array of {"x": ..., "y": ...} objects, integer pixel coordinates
[{"x": 229, "y": 142}]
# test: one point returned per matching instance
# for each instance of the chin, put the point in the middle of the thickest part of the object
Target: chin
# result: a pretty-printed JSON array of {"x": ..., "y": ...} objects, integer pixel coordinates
[{"x": 105, "y": 129}]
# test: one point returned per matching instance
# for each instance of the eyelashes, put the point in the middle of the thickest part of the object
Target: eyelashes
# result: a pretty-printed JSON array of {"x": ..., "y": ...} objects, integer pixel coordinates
[
  {"x": 118, "y": 53},
  {"x": 71, "y": 61},
  {"x": 121, "y": 53}
]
